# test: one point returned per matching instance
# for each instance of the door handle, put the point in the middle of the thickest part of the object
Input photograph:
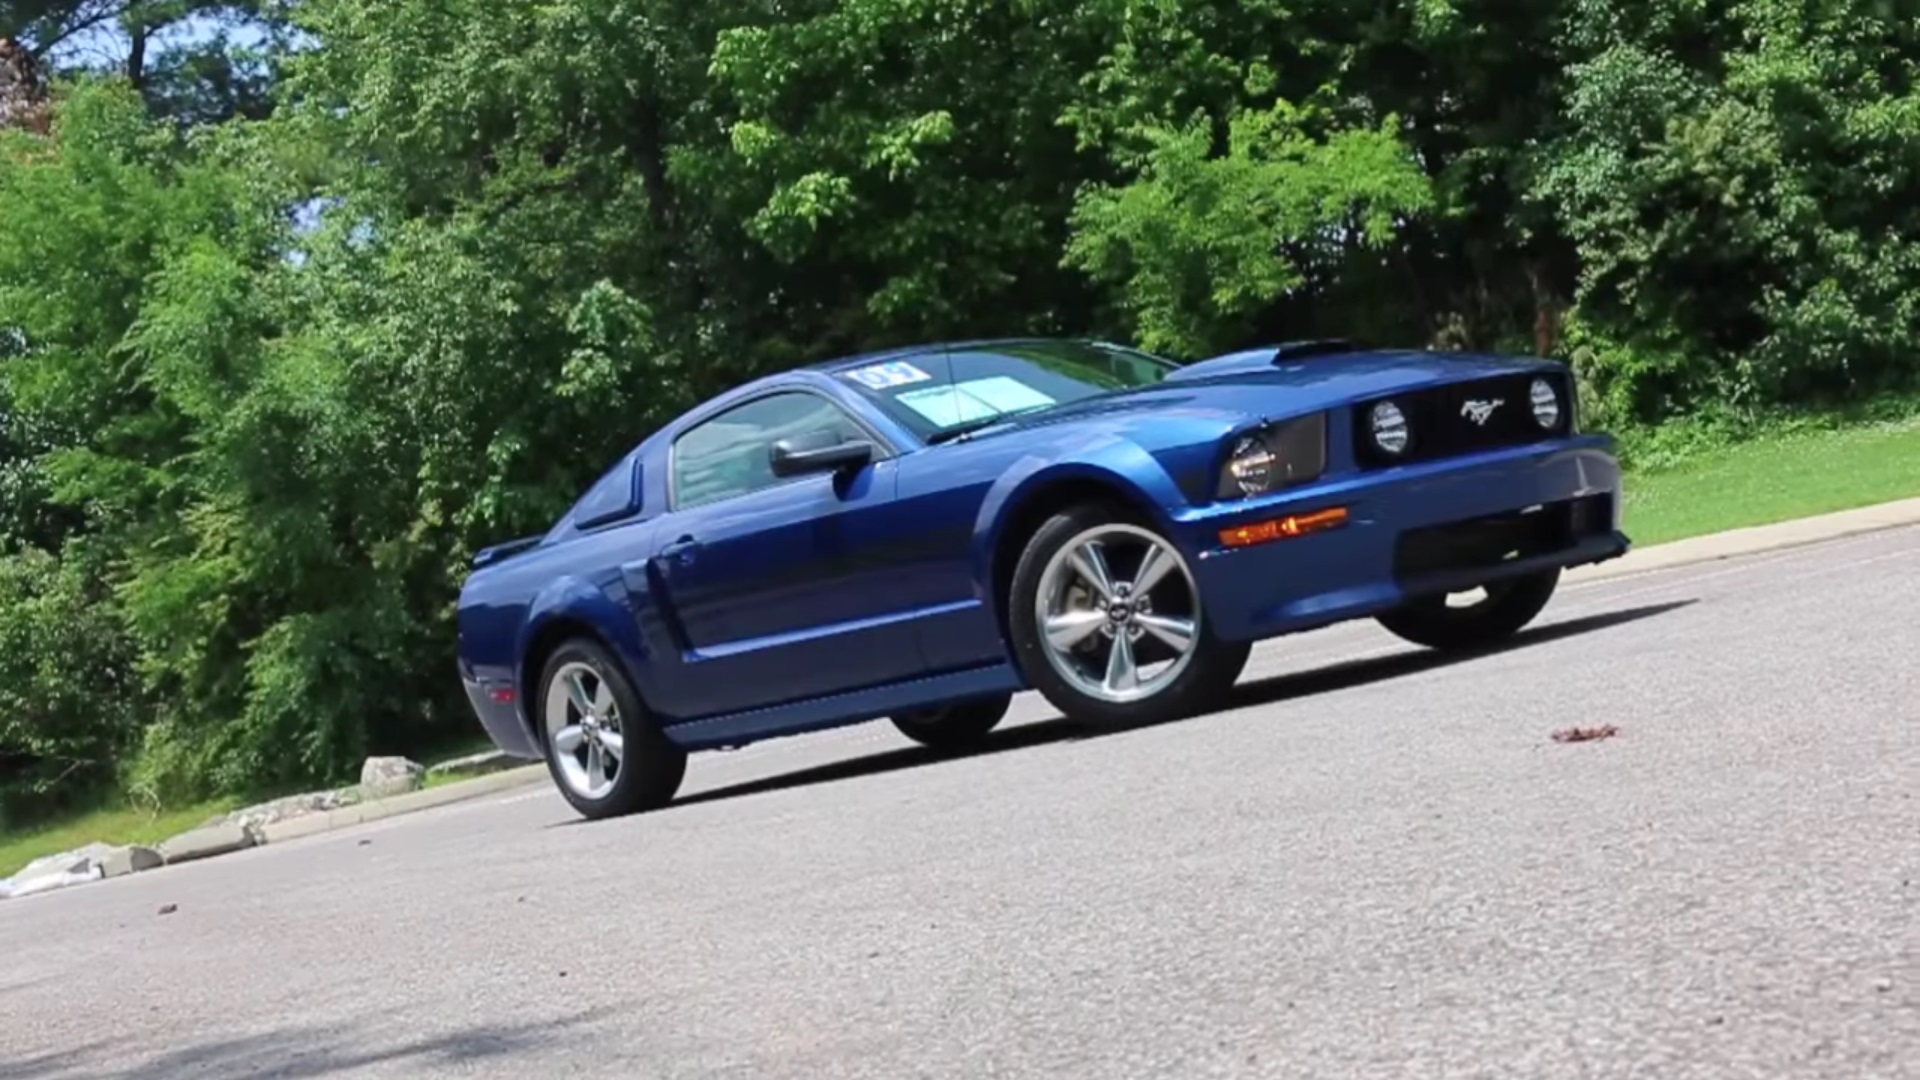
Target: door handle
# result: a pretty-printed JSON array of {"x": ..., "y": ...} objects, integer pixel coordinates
[{"x": 680, "y": 552}]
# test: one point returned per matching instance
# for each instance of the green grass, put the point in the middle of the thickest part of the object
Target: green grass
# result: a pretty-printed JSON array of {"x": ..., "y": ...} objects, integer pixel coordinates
[
  {"x": 1772, "y": 477},
  {"x": 458, "y": 750},
  {"x": 113, "y": 826},
  {"x": 122, "y": 825}
]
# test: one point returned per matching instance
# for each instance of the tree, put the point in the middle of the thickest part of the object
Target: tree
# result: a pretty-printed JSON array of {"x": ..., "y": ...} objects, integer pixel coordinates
[
  {"x": 301, "y": 304},
  {"x": 23, "y": 95}
]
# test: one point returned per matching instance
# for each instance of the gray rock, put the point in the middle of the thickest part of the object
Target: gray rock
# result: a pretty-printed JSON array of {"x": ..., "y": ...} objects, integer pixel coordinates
[
  {"x": 24, "y": 884},
  {"x": 489, "y": 761},
  {"x": 381, "y": 777},
  {"x": 207, "y": 842},
  {"x": 68, "y": 868},
  {"x": 66, "y": 862}
]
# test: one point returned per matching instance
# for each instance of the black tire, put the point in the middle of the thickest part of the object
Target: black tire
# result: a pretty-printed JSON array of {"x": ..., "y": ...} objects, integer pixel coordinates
[
  {"x": 1202, "y": 685},
  {"x": 1508, "y": 606},
  {"x": 960, "y": 725},
  {"x": 650, "y": 766}
]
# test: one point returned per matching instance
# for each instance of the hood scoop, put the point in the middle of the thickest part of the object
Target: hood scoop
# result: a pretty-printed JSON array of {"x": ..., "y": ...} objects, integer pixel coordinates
[{"x": 1264, "y": 357}]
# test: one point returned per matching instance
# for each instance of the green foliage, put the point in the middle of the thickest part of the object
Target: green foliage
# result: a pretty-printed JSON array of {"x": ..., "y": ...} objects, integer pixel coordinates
[
  {"x": 69, "y": 692},
  {"x": 286, "y": 334},
  {"x": 1201, "y": 244},
  {"x": 1729, "y": 173},
  {"x": 187, "y": 58}
]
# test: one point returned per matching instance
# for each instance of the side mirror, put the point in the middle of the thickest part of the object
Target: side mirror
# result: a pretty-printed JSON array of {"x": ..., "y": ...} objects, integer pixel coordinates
[{"x": 818, "y": 451}]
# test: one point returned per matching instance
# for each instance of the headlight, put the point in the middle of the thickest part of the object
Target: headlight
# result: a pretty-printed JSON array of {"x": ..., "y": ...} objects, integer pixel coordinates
[
  {"x": 1251, "y": 466},
  {"x": 1389, "y": 426},
  {"x": 1285, "y": 454},
  {"x": 1546, "y": 403}
]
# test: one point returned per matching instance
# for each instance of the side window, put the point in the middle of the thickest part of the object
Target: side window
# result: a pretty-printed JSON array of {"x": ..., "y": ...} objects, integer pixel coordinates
[{"x": 728, "y": 454}]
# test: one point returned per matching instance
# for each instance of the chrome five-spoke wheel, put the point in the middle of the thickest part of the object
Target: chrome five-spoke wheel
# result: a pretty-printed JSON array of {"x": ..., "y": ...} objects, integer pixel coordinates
[
  {"x": 583, "y": 726},
  {"x": 1108, "y": 622},
  {"x": 605, "y": 753},
  {"x": 1119, "y": 613}
]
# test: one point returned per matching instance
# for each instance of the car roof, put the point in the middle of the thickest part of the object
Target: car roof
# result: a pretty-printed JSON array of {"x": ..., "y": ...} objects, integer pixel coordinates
[{"x": 880, "y": 356}]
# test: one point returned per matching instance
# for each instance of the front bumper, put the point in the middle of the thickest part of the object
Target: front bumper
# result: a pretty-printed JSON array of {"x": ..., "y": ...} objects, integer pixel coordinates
[{"x": 1416, "y": 530}]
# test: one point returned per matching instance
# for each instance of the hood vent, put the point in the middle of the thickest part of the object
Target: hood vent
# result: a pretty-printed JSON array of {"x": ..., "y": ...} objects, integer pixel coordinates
[
  {"x": 1300, "y": 350},
  {"x": 1264, "y": 358}
]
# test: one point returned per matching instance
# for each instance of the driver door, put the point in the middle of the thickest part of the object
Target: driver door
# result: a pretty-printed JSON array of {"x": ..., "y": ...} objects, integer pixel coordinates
[{"x": 775, "y": 588}]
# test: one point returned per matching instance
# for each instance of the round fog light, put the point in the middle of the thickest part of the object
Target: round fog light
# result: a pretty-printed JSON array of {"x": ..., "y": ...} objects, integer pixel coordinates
[
  {"x": 1389, "y": 428},
  {"x": 1546, "y": 403}
]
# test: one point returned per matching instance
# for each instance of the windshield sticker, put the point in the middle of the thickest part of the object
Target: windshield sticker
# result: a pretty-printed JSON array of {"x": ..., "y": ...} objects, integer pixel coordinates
[
  {"x": 945, "y": 406},
  {"x": 888, "y": 375},
  {"x": 979, "y": 399},
  {"x": 1005, "y": 394}
]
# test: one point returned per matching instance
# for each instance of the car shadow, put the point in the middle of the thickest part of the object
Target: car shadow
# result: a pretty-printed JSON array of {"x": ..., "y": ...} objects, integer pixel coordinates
[
  {"x": 313, "y": 1052},
  {"x": 1349, "y": 673},
  {"x": 1038, "y": 733},
  {"x": 1335, "y": 677}
]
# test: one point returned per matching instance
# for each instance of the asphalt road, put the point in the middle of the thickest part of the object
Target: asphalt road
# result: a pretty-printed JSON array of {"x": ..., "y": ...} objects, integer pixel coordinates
[{"x": 1377, "y": 865}]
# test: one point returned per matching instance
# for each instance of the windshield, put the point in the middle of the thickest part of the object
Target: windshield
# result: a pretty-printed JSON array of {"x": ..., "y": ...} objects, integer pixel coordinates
[{"x": 941, "y": 394}]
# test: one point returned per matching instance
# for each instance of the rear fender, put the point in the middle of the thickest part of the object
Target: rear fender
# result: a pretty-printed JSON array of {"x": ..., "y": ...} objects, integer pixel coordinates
[{"x": 575, "y": 603}]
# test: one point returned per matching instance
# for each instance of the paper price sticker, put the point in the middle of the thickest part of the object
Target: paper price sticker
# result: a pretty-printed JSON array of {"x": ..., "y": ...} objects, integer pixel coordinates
[{"x": 888, "y": 375}]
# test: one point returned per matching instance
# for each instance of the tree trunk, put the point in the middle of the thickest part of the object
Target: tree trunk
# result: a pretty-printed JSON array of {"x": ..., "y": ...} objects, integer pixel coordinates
[{"x": 137, "y": 58}]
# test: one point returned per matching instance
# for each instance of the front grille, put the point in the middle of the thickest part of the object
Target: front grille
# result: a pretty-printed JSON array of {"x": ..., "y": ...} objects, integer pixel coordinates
[
  {"x": 1439, "y": 425},
  {"x": 1484, "y": 542}
]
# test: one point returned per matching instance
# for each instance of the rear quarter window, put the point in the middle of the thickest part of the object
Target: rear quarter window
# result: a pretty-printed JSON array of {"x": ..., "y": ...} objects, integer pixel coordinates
[{"x": 614, "y": 496}]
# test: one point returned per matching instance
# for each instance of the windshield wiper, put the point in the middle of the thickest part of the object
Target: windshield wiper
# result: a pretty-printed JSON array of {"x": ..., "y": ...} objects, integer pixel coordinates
[{"x": 967, "y": 430}]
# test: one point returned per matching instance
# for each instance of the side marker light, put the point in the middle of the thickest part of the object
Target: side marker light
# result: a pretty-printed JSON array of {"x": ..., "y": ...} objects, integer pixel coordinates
[{"x": 1261, "y": 532}]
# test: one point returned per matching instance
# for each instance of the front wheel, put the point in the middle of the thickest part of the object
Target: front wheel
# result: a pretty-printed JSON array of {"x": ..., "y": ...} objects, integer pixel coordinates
[
  {"x": 1506, "y": 607},
  {"x": 606, "y": 756},
  {"x": 1107, "y": 623}
]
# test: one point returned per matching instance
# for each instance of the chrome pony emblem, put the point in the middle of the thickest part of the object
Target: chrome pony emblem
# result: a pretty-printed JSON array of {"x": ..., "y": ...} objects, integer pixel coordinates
[{"x": 1478, "y": 411}]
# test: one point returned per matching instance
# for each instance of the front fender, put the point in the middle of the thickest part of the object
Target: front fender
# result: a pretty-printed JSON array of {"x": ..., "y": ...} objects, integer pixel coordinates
[{"x": 1107, "y": 459}]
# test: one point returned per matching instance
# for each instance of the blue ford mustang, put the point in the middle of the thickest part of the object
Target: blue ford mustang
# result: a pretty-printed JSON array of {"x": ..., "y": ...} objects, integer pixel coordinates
[{"x": 919, "y": 534}]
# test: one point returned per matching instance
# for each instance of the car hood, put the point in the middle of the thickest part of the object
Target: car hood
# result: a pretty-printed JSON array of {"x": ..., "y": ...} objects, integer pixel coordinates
[{"x": 1267, "y": 384}]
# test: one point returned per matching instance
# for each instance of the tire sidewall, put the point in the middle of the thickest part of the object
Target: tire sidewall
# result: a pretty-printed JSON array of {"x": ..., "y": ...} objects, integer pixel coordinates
[
  {"x": 1208, "y": 675},
  {"x": 957, "y": 724},
  {"x": 1431, "y": 623},
  {"x": 649, "y": 762}
]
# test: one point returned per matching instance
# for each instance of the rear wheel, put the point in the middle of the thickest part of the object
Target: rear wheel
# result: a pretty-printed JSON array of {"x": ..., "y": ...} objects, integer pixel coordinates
[
  {"x": 1107, "y": 623},
  {"x": 1499, "y": 612},
  {"x": 956, "y": 726},
  {"x": 605, "y": 754}
]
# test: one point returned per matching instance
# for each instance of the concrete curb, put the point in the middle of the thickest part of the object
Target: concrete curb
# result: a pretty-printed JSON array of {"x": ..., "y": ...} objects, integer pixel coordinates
[
  {"x": 207, "y": 842},
  {"x": 1755, "y": 540},
  {"x": 224, "y": 838},
  {"x": 395, "y": 805}
]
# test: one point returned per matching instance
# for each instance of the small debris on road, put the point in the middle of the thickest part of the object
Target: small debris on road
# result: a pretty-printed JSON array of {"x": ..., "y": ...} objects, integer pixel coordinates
[
  {"x": 364, "y": 843},
  {"x": 1585, "y": 734},
  {"x": 168, "y": 909}
]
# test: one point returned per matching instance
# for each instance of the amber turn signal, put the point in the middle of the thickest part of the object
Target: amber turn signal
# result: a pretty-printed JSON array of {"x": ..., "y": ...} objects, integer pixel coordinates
[{"x": 1284, "y": 528}]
